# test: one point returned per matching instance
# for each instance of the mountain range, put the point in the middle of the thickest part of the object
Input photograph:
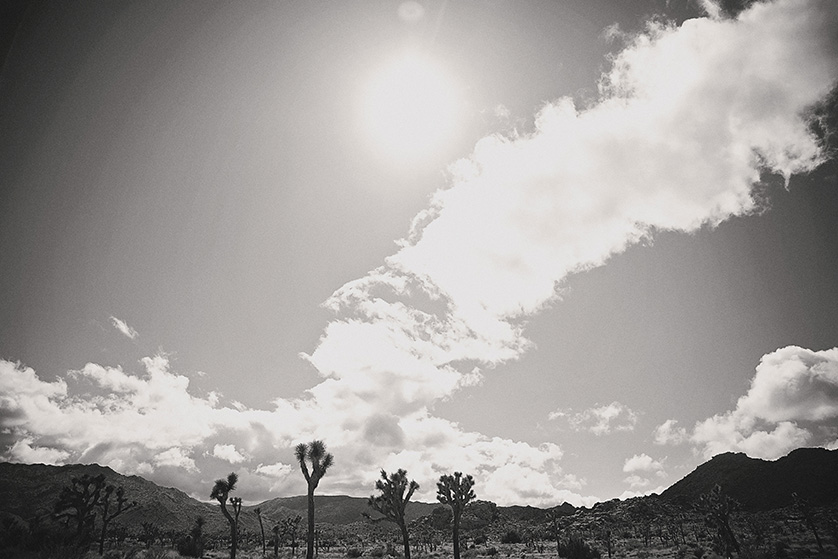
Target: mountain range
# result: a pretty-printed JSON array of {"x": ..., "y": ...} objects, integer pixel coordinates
[{"x": 30, "y": 490}]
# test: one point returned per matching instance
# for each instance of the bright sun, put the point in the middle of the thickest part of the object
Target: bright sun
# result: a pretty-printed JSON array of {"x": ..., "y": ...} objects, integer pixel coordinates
[{"x": 410, "y": 108}]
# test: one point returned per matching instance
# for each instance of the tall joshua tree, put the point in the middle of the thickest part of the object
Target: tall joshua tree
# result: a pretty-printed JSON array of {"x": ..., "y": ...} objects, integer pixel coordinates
[
  {"x": 78, "y": 503},
  {"x": 393, "y": 500},
  {"x": 109, "y": 514},
  {"x": 258, "y": 512},
  {"x": 314, "y": 453},
  {"x": 220, "y": 492},
  {"x": 456, "y": 492}
]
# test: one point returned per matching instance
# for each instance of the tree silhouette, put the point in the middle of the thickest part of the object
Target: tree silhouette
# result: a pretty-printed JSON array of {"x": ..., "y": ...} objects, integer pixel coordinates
[
  {"x": 104, "y": 503},
  {"x": 258, "y": 512},
  {"x": 78, "y": 503},
  {"x": 220, "y": 492},
  {"x": 315, "y": 453},
  {"x": 717, "y": 507},
  {"x": 456, "y": 492},
  {"x": 805, "y": 510},
  {"x": 393, "y": 501}
]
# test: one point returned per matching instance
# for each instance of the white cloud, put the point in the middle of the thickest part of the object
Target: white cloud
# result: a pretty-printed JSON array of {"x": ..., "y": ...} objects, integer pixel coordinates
[
  {"x": 599, "y": 420},
  {"x": 642, "y": 468},
  {"x": 793, "y": 391},
  {"x": 228, "y": 452},
  {"x": 123, "y": 327},
  {"x": 176, "y": 458},
  {"x": 668, "y": 433},
  {"x": 278, "y": 470},
  {"x": 642, "y": 463},
  {"x": 23, "y": 451}
]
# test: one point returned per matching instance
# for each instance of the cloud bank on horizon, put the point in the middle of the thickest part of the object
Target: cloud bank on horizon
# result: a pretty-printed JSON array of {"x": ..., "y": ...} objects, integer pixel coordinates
[{"x": 687, "y": 120}]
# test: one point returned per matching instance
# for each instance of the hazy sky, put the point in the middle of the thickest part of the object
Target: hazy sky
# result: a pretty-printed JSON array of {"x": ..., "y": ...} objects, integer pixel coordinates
[{"x": 572, "y": 247}]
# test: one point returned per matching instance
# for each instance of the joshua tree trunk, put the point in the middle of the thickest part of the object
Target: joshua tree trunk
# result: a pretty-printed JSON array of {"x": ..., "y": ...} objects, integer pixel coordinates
[
  {"x": 233, "y": 538},
  {"x": 258, "y": 512},
  {"x": 310, "y": 534},
  {"x": 405, "y": 541},
  {"x": 456, "y": 535}
]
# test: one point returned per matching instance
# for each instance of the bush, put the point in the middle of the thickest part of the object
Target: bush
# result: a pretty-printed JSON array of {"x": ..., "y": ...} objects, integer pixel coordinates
[
  {"x": 511, "y": 536},
  {"x": 577, "y": 548},
  {"x": 492, "y": 551},
  {"x": 353, "y": 552}
]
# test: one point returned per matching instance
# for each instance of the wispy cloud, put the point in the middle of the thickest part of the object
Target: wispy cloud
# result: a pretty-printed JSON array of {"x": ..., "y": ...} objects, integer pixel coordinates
[
  {"x": 599, "y": 420},
  {"x": 123, "y": 327},
  {"x": 687, "y": 120}
]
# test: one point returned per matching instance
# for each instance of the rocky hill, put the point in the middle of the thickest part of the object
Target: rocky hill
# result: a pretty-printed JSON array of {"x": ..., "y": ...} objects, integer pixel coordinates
[{"x": 762, "y": 484}]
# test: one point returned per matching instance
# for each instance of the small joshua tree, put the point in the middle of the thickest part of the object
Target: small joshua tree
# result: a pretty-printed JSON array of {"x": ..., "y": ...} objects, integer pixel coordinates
[
  {"x": 220, "y": 491},
  {"x": 805, "y": 510},
  {"x": 393, "y": 501},
  {"x": 104, "y": 503},
  {"x": 717, "y": 507},
  {"x": 315, "y": 453},
  {"x": 456, "y": 492}
]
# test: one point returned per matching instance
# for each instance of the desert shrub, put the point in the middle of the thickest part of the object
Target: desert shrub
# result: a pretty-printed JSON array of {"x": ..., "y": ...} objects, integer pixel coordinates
[
  {"x": 511, "y": 536},
  {"x": 576, "y": 548},
  {"x": 353, "y": 552}
]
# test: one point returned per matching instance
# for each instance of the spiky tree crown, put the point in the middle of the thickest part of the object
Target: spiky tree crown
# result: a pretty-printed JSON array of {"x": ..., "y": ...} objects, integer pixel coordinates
[
  {"x": 455, "y": 491},
  {"x": 222, "y": 487},
  {"x": 321, "y": 461},
  {"x": 393, "y": 500}
]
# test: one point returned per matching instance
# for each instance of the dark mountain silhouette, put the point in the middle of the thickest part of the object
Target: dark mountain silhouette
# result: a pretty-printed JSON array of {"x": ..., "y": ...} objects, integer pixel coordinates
[
  {"x": 31, "y": 490},
  {"x": 762, "y": 484}
]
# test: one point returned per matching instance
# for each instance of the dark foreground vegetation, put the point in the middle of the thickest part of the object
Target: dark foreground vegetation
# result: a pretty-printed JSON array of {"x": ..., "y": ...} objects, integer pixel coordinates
[{"x": 98, "y": 513}]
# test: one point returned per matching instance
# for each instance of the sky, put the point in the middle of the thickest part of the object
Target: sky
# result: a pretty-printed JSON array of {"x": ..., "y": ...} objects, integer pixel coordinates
[{"x": 574, "y": 248}]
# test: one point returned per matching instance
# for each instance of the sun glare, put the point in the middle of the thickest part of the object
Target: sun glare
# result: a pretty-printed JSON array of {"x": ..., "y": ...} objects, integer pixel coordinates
[{"x": 410, "y": 108}]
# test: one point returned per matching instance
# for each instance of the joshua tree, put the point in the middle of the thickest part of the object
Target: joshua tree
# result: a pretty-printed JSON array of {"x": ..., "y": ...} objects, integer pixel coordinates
[
  {"x": 717, "y": 507},
  {"x": 392, "y": 501},
  {"x": 456, "y": 492},
  {"x": 258, "y": 512},
  {"x": 314, "y": 452},
  {"x": 79, "y": 501},
  {"x": 236, "y": 503},
  {"x": 104, "y": 503},
  {"x": 220, "y": 492},
  {"x": 805, "y": 510},
  {"x": 77, "y": 504}
]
